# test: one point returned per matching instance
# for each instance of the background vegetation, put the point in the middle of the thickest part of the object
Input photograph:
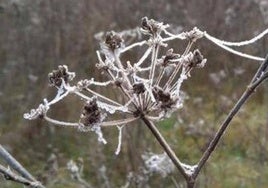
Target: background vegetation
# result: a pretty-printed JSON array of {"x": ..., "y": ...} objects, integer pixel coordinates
[{"x": 38, "y": 35}]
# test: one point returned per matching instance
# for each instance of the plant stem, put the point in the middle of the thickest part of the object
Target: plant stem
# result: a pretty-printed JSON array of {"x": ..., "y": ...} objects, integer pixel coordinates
[
  {"x": 166, "y": 147},
  {"x": 258, "y": 78},
  {"x": 25, "y": 177},
  {"x": 11, "y": 161}
]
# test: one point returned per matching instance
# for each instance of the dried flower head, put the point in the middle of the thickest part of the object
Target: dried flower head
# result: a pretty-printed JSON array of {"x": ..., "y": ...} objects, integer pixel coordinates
[
  {"x": 194, "y": 35},
  {"x": 150, "y": 86},
  {"x": 163, "y": 97},
  {"x": 151, "y": 27},
  {"x": 138, "y": 88},
  {"x": 169, "y": 58},
  {"x": 113, "y": 40},
  {"x": 56, "y": 76},
  {"x": 91, "y": 113}
]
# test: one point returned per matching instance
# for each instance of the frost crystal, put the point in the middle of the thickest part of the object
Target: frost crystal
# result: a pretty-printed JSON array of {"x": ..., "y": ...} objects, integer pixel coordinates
[
  {"x": 158, "y": 163},
  {"x": 37, "y": 113},
  {"x": 118, "y": 149},
  {"x": 188, "y": 168}
]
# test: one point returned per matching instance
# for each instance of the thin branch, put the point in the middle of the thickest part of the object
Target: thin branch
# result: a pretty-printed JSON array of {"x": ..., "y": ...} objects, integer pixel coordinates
[
  {"x": 26, "y": 178},
  {"x": 212, "y": 39},
  {"x": 103, "y": 97},
  {"x": 133, "y": 45},
  {"x": 242, "y": 43},
  {"x": 118, "y": 122},
  {"x": 248, "y": 92},
  {"x": 60, "y": 123},
  {"x": 11, "y": 161},
  {"x": 143, "y": 57},
  {"x": 9, "y": 175}
]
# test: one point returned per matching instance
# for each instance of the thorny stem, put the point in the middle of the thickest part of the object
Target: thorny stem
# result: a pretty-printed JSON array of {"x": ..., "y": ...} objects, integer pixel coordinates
[{"x": 256, "y": 81}]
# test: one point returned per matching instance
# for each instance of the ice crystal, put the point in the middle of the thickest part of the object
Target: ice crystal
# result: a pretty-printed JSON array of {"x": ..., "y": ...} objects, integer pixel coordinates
[{"x": 158, "y": 163}]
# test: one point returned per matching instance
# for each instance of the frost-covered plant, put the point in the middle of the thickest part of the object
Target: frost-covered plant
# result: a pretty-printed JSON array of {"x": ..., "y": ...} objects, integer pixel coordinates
[
  {"x": 150, "y": 86},
  {"x": 151, "y": 90}
]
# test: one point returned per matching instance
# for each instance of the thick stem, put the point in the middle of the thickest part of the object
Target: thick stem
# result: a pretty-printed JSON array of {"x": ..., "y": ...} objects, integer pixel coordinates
[
  {"x": 191, "y": 184},
  {"x": 166, "y": 147}
]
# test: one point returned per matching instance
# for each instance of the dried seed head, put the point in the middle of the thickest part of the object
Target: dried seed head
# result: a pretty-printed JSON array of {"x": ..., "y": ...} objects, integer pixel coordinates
[
  {"x": 138, "y": 88},
  {"x": 194, "y": 34},
  {"x": 91, "y": 113},
  {"x": 113, "y": 40},
  {"x": 196, "y": 60},
  {"x": 151, "y": 27},
  {"x": 169, "y": 56},
  {"x": 56, "y": 76},
  {"x": 162, "y": 97}
]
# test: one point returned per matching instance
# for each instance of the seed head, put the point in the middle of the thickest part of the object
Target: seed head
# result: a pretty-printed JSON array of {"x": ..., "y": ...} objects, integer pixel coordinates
[
  {"x": 168, "y": 57},
  {"x": 138, "y": 88},
  {"x": 91, "y": 113},
  {"x": 113, "y": 40},
  {"x": 56, "y": 77},
  {"x": 151, "y": 27}
]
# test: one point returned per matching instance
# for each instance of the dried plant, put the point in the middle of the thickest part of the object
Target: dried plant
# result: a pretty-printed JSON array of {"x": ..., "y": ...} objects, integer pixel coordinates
[{"x": 150, "y": 86}]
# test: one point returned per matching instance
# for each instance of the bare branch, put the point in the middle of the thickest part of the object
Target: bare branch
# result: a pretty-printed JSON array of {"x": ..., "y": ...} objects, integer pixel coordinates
[{"x": 248, "y": 92}]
